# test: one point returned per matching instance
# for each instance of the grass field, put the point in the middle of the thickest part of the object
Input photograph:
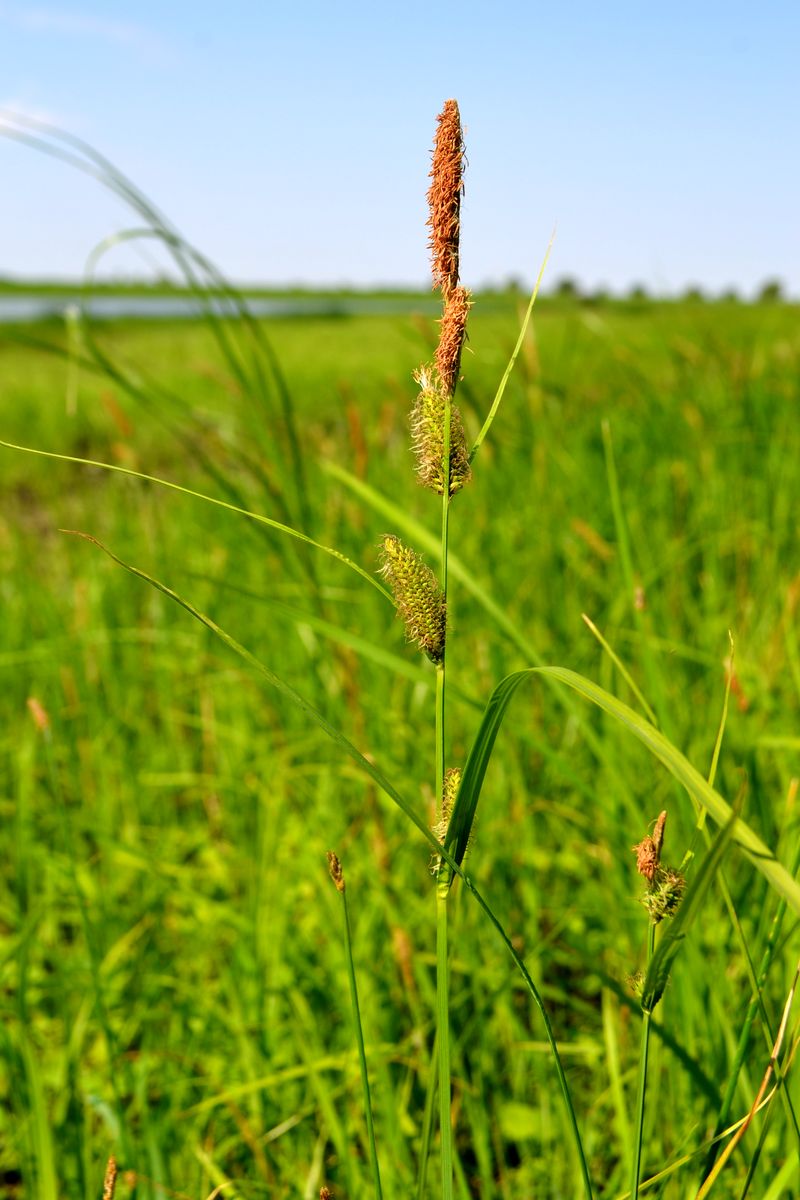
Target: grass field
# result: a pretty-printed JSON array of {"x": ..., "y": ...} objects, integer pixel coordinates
[{"x": 173, "y": 987}]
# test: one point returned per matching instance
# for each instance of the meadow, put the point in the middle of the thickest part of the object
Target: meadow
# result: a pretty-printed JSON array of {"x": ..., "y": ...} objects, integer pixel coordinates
[{"x": 173, "y": 981}]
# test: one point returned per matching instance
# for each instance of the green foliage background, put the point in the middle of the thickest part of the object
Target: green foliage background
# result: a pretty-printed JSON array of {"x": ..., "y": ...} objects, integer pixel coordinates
[{"x": 172, "y": 983}]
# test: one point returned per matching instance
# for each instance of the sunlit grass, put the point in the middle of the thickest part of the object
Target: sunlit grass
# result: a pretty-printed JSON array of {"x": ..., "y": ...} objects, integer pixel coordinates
[{"x": 201, "y": 805}]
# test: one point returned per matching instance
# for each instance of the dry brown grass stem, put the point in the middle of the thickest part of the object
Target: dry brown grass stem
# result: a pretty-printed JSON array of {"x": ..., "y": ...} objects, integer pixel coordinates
[{"x": 444, "y": 197}]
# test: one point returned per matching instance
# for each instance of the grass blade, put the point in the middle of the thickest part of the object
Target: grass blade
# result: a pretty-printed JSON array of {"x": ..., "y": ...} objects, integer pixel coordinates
[
  {"x": 177, "y": 487},
  {"x": 338, "y": 879},
  {"x": 703, "y": 795},
  {"x": 514, "y": 354}
]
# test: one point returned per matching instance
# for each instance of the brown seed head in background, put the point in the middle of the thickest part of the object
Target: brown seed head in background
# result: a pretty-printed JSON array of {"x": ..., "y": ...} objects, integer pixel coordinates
[
  {"x": 110, "y": 1180},
  {"x": 335, "y": 868},
  {"x": 40, "y": 718},
  {"x": 444, "y": 197}
]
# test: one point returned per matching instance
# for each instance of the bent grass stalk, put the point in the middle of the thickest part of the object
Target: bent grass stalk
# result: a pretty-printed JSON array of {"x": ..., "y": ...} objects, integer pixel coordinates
[{"x": 337, "y": 875}]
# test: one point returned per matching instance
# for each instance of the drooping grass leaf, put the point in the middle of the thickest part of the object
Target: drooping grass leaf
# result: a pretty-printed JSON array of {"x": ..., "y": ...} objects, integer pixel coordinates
[
  {"x": 279, "y": 526},
  {"x": 703, "y": 795}
]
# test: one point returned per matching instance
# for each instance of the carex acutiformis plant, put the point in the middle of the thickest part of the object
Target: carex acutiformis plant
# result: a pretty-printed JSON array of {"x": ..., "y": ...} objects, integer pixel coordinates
[{"x": 443, "y": 466}]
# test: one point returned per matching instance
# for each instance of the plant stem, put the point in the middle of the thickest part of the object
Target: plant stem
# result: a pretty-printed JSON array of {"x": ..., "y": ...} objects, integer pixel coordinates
[
  {"x": 427, "y": 1121},
  {"x": 443, "y": 879},
  {"x": 443, "y": 1026},
  {"x": 362, "y": 1055},
  {"x": 637, "y": 1145}
]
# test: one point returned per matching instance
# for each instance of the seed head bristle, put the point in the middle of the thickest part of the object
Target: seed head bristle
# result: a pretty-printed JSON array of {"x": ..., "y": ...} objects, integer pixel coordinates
[
  {"x": 662, "y": 898},
  {"x": 444, "y": 197},
  {"x": 452, "y": 782},
  {"x": 646, "y": 857},
  {"x": 451, "y": 338},
  {"x": 427, "y": 429},
  {"x": 417, "y": 595}
]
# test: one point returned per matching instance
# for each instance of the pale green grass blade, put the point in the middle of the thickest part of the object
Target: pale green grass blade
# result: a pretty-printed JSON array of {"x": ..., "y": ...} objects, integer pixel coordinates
[
  {"x": 679, "y": 925},
  {"x": 362, "y": 1054},
  {"x": 694, "y": 783},
  {"x": 514, "y": 354},
  {"x": 699, "y": 790},
  {"x": 620, "y": 665},
  {"x": 611, "y": 1042},
  {"x": 185, "y": 491}
]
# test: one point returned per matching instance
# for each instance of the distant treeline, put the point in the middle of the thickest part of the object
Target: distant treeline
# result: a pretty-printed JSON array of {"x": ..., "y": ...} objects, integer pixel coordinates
[{"x": 565, "y": 290}]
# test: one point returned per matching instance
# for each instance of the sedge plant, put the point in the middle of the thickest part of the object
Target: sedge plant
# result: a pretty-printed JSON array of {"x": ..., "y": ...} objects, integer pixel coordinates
[{"x": 445, "y": 464}]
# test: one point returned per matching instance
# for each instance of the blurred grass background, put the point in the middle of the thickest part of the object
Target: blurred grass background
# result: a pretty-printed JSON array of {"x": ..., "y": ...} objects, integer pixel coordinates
[{"x": 172, "y": 983}]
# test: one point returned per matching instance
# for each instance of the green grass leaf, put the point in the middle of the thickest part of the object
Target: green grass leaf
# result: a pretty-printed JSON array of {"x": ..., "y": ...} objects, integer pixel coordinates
[{"x": 701, "y": 792}]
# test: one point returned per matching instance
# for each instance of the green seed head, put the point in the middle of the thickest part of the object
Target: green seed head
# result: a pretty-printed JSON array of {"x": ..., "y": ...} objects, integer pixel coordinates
[
  {"x": 417, "y": 595},
  {"x": 663, "y": 897},
  {"x": 427, "y": 428},
  {"x": 452, "y": 782}
]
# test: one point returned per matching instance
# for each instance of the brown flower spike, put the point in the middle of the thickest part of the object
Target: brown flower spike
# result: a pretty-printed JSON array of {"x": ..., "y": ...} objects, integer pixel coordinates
[
  {"x": 665, "y": 886},
  {"x": 444, "y": 197},
  {"x": 648, "y": 851},
  {"x": 451, "y": 338}
]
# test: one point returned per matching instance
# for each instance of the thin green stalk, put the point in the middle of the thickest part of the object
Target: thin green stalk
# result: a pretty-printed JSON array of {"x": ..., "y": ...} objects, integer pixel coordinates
[
  {"x": 427, "y": 1120},
  {"x": 515, "y": 353},
  {"x": 362, "y": 1054},
  {"x": 443, "y": 1025},
  {"x": 443, "y": 880},
  {"x": 643, "y": 1057},
  {"x": 623, "y": 670}
]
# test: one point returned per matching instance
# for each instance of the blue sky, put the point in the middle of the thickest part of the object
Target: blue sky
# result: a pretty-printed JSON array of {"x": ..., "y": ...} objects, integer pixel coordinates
[{"x": 291, "y": 141}]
